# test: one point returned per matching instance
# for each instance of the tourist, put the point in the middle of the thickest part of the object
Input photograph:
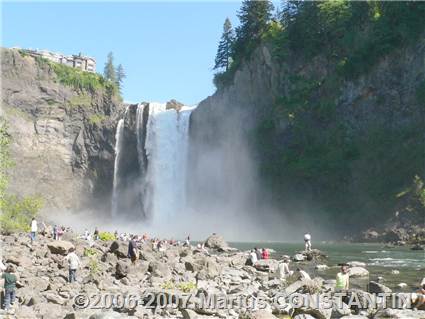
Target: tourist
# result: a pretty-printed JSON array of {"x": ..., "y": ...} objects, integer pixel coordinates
[
  {"x": 343, "y": 278},
  {"x": 283, "y": 271},
  {"x": 96, "y": 234},
  {"x": 187, "y": 242},
  {"x": 302, "y": 274},
  {"x": 55, "y": 232},
  {"x": 419, "y": 296},
  {"x": 265, "y": 254},
  {"x": 258, "y": 253},
  {"x": 10, "y": 281},
  {"x": 132, "y": 250},
  {"x": 73, "y": 263},
  {"x": 59, "y": 232},
  {"x": 307, "y": 242},
  {"x": 116, "y": 234},
  {"x": 252, "y": 260},
  {"x": 34, "y": 229},
  {"x": 2, "y": 266},
  {"x": 86, "y": 234}
]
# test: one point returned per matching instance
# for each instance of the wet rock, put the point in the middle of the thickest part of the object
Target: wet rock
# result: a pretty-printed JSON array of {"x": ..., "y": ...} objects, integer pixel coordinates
[
  {"x": 298, "y": 257},
  {"x": 356, "y": 264}
]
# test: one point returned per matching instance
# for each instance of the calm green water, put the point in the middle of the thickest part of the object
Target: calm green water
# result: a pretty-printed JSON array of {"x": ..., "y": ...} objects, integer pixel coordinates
[{"x": 380, "y": 261}]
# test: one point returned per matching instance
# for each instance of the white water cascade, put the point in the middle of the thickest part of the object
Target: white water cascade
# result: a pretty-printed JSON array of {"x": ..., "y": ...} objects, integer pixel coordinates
[
  {"x": 118, "y": 144},
  {"x": 166, "y": 148},
  {"x": 162, "y": 156}
]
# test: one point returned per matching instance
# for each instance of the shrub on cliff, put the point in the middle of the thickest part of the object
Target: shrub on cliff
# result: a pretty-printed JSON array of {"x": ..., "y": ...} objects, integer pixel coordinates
[{"x": 17, "y": 212}]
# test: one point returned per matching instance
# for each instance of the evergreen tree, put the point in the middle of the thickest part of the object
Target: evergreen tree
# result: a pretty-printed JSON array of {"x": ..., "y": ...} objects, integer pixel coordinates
[
  {"x": 254, "y": 17},
  {"x": 224, "y": 51},
  {"x": 109, "y": 70},
  {"x": 120, "y": 75}
]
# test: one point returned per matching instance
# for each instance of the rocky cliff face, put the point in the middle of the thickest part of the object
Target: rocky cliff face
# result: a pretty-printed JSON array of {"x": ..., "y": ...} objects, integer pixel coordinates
[
  {"x": 376, "y": 116},
  {"x": 62, "y": 139}
]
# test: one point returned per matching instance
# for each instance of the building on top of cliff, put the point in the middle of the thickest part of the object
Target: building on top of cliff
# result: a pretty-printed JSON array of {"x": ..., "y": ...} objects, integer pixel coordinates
[{"x": 79, "y": 61}]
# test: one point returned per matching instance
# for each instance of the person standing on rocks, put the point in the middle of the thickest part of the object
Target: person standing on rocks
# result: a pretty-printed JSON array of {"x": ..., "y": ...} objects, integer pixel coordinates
[
  {"x": 132, "y": 250},
  {"x": 343, "y": 278},
  {"x": 34, "y": 229},
  {"x": 96, "y": 234},
  {"x": 265, "y": 254},
  {"x": 10, "y": 281},
  {"x": 283, "y": 271},
  {"x": 252, "y": 260},
  {"x": 307, "y": 242},
  {"x": 74, "y": 263},
  {"x": 258, "y": 253}
]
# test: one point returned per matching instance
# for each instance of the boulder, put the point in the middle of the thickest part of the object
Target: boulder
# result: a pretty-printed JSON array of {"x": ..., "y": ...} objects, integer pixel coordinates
[
  {"x": 376, "y": 288},
  {"x": 21, "y": 260},
  {"x": 356, "y": 264},
  {"x": 119, "y": 248},
  {"x": 174, "y": 104},
  {"x": 60, "y": 247},
  {"x": 159, "y": 269},
  {"x": 268, "y": 265},
  {"x": 216, "y": 242},
  {"x": 261, "y": 314},
  {"x": 358, "y": 272},
  {"x": 321, "y": 267},
  {"x": 399, "y": 314},
  {"x": 298, "y": 257}
]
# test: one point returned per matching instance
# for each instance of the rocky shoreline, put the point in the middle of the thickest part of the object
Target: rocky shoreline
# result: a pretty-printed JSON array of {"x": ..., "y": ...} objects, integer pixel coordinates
[{"x": 171, "y": 282}]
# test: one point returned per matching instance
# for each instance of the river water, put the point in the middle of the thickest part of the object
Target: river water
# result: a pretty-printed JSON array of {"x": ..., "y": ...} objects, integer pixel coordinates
[{"x": 380, "y": 261}]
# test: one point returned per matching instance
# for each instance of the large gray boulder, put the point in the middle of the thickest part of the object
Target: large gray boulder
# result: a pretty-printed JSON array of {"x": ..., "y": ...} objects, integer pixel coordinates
[
  {"x": 376, "y": 288},
  {"x": 216, "y": 242},
  {"x": 60, "y": 247},
  {"x": 358, "y": 272},
  {"x": 119, "y": 248}
]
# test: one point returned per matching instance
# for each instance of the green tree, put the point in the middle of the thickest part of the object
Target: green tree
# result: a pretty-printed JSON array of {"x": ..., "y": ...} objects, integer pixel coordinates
[
  {"x": 120, "y": 75},
  {"x": 254, "y": 17},
  {"x": 224, "y": 51},
  {"x": 109, "y": 70}
]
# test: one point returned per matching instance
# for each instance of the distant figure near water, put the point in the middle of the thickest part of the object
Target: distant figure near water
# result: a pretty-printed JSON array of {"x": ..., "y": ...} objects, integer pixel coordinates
[
  {"x": 343, "y": 278},
  {"x": 307, "y": 242}
]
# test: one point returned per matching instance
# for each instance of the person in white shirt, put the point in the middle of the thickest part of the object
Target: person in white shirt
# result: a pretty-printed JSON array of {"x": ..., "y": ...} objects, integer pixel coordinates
[
  {"x": 253, "y": 257},
  {"x": 307, "y": 242},
  {"x": 283, "y": 271},
  {"x": 302, "y": 274},
  {"x": 73, "y": 263},
  {"x": 34, "y": 229}
]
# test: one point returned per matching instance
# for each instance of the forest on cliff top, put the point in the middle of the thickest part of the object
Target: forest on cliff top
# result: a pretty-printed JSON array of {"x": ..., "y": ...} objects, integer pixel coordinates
[{"x": 357, "y": 164}]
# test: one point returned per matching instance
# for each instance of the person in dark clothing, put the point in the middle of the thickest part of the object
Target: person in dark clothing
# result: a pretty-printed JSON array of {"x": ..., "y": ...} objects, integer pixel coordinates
[
  {"x": 10, "y": 281},
  {"x": 132, "y": 250},
  {"x": 96, "y": 234}
]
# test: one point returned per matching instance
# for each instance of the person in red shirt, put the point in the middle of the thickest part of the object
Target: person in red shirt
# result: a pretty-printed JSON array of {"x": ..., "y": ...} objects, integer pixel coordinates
[{"x": 265, "y": 254}]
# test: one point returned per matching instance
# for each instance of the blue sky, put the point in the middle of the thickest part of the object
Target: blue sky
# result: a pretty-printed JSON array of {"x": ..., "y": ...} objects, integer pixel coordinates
[{"x": 166, "y": 48}]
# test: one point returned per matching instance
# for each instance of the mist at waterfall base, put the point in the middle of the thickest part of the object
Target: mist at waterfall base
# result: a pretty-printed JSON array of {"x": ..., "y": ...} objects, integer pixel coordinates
[{"x": 170, "y": 186}]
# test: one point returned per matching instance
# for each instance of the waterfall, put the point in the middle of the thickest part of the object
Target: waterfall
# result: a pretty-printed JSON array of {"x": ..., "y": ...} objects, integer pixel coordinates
[
  {"x": 162, "y": 156},
  {"x": 118, "y": 145},
  {"x": 167, "y": 152}
]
